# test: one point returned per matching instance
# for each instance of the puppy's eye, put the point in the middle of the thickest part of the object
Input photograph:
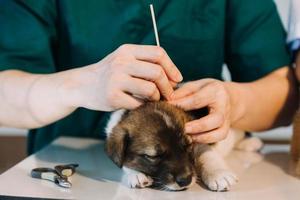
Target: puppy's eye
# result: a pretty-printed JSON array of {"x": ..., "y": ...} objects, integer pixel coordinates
[{"x": 151, "y": 157}]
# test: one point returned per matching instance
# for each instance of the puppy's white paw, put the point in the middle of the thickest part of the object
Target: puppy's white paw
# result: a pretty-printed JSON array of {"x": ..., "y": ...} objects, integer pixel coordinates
[
  {"x": 219, "y": 180},
  {"x": 136, "y": 179},
  {"x": 250, "y": 144},
  {"x": 139, "y": 180}
]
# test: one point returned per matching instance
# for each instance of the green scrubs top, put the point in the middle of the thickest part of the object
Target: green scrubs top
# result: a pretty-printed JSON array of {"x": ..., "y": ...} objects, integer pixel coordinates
[{"x": 48, "y": 36}]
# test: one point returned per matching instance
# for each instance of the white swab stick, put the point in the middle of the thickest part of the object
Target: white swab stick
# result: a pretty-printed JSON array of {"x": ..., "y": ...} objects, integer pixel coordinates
[{"x": 154, "y": 25}]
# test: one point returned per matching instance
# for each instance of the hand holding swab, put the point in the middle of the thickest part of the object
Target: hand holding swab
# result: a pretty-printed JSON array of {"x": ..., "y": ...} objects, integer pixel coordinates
[{"x": 175, "y": 70}]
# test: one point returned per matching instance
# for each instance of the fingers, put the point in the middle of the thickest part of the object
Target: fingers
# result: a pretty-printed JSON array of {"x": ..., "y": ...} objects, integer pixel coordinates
[
  {"x": 189, "y": 88},
  {"x": 185, "y": 90},
  {"x": 157, "y": 55},
  {"x": 142, "y": 88},
  {"x": 127, "y": 102},
  {"x": 149, "y": 63},
  {"x": 173, "y": 84},
  {"x": 152, "y": 72},
  {"x": 205, "y": 93},
  {"x": 205, "y": 124},
  {"x": 212, "y": 136},
  {"x": 195, "y": 101}
]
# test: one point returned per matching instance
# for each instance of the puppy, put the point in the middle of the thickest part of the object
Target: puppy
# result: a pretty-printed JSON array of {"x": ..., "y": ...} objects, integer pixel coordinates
[{"x": 150, "y": 145}]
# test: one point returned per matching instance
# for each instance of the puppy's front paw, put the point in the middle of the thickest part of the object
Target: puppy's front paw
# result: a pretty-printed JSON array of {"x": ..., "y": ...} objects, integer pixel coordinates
[
  {"x": 219, "y": 180},
  {"x": 138, "y": 180},
  {"x": 250, "y": 144}
]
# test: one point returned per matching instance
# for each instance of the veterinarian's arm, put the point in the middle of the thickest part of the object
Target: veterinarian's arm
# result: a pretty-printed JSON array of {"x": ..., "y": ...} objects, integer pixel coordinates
[
  {"x": 255, "y": 106},
  {"x": 266, "y": 103},
  {"x": 264, "y": 93},
  {"x": 34, "y": 100},
  {"x": 31, "y": 100}
]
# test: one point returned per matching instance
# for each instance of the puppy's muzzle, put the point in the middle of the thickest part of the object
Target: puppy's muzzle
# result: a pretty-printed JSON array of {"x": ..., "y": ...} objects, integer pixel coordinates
[{"x": 184, "y": 180}]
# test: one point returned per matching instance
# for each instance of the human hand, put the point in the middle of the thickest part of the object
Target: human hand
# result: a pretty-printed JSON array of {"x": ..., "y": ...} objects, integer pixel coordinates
[
  {"x": 209, "y": 93},
  {"x": 125, "y": 77}
]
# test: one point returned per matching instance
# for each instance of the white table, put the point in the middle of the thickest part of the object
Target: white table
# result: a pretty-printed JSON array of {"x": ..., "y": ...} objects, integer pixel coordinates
[{"x": 98, "y": 178}]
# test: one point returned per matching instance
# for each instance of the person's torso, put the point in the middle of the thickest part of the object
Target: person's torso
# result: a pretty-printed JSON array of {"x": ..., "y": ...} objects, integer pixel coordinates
[{"x": 191, "y": 32}]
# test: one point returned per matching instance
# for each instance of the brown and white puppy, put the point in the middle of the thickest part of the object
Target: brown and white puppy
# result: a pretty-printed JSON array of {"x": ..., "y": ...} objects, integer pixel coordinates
[{"x": 150, "y": 145}]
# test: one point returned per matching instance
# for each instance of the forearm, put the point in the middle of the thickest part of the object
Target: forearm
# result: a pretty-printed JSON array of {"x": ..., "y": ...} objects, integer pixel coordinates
[
  {"x": 32, "y": 100},
  {"x": 266, "y": 103},
  {"x": 298, "y": 65}
]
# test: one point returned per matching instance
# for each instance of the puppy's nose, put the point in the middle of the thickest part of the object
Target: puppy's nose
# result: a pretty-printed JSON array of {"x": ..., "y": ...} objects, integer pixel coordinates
[{"x": 184, "y": 180}]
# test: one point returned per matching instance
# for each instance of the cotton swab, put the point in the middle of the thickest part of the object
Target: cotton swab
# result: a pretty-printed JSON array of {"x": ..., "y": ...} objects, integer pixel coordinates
[{"x": 154, "y": 25}]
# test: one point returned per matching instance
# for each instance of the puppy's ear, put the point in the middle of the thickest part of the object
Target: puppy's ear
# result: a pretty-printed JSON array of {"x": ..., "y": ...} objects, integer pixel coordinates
[{"x": 116, "y": 145}]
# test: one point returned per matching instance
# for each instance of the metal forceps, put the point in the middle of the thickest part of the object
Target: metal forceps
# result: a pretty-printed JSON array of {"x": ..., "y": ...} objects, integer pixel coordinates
[{"x": 59, "y": 175}]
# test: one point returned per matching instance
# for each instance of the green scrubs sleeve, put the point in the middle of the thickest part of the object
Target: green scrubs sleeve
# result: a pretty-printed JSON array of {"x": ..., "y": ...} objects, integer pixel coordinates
[
  {"x": 27, "y": 37},
  {"x": 255, "y": 39}
]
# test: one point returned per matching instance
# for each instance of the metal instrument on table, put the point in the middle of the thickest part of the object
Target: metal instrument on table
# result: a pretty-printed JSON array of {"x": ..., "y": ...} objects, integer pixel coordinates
[{"x": 59, "y": 175}]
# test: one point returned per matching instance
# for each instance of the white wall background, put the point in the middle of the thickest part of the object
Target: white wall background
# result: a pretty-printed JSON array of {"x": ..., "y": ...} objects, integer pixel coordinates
[
  {"x": 281, "y": 133},
  {"x": 283, "y": 8}
]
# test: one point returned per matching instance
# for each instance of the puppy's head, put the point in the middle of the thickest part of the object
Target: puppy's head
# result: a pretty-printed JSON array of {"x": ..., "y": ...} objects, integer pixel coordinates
[{"x": 151, "y": 140}]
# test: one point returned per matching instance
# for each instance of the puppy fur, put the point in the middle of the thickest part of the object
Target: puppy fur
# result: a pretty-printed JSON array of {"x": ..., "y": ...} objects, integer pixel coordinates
[{"x": 150, "y": 145}]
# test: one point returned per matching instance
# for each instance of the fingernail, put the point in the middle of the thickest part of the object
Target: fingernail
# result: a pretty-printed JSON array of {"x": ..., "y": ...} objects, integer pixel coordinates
[{"x": 179, "y": 77}]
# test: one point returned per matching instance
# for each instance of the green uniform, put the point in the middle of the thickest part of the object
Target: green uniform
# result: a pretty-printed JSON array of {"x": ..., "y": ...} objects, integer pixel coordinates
[{"x": 47, "y": 36}]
